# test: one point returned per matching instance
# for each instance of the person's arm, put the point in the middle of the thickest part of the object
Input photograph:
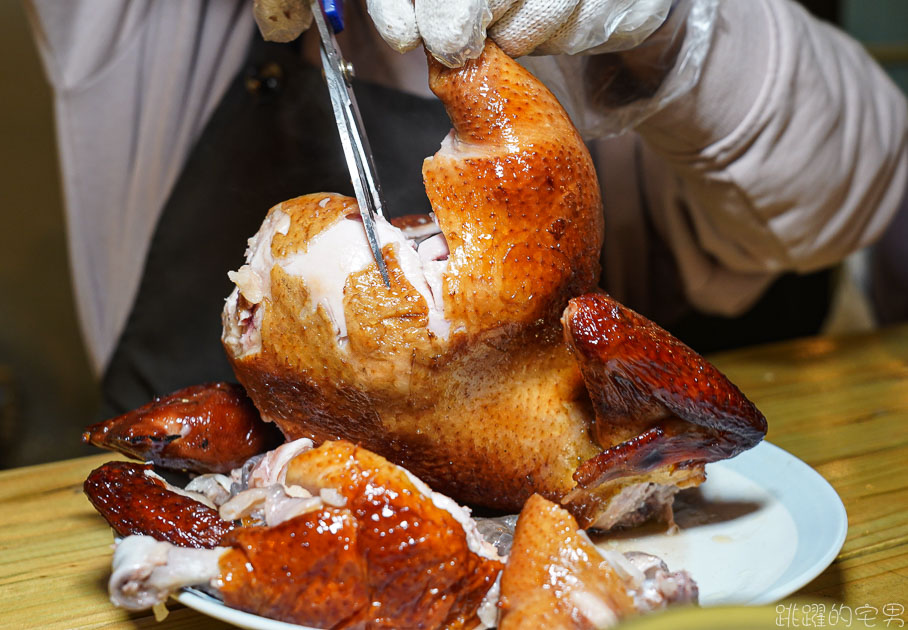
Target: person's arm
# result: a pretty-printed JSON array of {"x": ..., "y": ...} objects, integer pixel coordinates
[
  {"x": 134, "y": 83},
  {"x": 790, "y": 153}
]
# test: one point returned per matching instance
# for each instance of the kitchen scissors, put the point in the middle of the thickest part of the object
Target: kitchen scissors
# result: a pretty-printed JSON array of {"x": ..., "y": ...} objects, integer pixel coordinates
[{"x": 328, "y": 16}]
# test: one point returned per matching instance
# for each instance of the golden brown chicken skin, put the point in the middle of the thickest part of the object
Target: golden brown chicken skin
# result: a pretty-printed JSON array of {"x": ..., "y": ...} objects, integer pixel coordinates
[
  {"x": 552, "y": 569},
  {"x": 470, "y": 384},
  {"x": 557, "y": 578},
  {"x": 134, "y": 501},
  {"x": 373, "y": 548},
  {"x": 202, "y": 428}
]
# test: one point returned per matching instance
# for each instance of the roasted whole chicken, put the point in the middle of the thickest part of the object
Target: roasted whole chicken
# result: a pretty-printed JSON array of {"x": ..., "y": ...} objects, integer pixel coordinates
[
  {"x": 492, "y": 367},
  {"x": 492, "y": 371}
]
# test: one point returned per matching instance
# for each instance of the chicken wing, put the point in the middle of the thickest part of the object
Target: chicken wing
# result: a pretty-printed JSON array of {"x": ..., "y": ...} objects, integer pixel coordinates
[
  {"x": 202, "y": 428},
  {"x": 134, "y": 500}
]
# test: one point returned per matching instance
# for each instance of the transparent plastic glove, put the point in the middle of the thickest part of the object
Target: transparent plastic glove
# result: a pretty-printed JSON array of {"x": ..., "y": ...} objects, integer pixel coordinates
[
  {"x": 609, "y": 93},
  {"x": 454, "y": 30},
  {"x": 281, "y": 20}
]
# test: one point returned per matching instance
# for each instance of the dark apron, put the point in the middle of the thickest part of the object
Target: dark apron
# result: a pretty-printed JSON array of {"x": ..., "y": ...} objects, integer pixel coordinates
[{"x": 273, "y": 137}]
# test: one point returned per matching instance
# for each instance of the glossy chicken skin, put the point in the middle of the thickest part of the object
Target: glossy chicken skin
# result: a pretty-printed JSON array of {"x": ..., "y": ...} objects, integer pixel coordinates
[
  {"x": 133, "y": 502},
  {"x": 661, "y": 411},
  {"x": 557, "y": 578},
  {"x": 515, "y": 194},
  {"x": 379, "y": 550},
  {"x": 491, "y": 406},
  {"x": 551, "y": 569},
  {"x": 657, "y": 402},
  {"x": 389, "y": 558},
  {"x": 203, "y": 428},
  {"x": 276, "y": 572}
]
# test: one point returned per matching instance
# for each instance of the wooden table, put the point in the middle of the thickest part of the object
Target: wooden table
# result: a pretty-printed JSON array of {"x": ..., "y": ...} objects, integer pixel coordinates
[{"x": 840, "y": 404}]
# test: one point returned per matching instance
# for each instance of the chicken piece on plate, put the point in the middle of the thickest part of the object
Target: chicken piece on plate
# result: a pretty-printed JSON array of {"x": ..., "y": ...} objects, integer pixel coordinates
[
  {"x": 557, "y": 578},
  {"x": 202, "y": 428},
  {"x": 351, "y": 540},
  {"x": 660, "y": 412},
  {"x": 460, "y": 371},
  {"x": 134, "y": 500},
  {"x": 376, "y": 549}
]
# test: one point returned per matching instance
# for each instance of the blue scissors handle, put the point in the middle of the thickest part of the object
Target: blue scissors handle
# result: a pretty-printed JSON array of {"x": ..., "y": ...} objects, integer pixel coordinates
[
  {"x": 334, "y": 11},
  {"x": 353, "y": 139}
]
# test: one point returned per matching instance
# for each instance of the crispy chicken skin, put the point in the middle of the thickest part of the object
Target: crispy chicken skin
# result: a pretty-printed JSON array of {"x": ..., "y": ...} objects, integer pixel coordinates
[
  {"x": 135, "y": 501},
  {"x": 381, "y": 550},
  {"x": 516, "y": 196},
  {"x": 660, "y": 413},
  {"x": 657, "y": 402},
  {"x": 203, "y": 428},
  {"x": 415, "y": 563},
  {"x": 552, "y": 570}
]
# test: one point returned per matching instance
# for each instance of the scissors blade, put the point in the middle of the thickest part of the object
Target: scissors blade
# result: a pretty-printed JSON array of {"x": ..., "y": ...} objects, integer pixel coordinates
[{"x": 353, "y": 137}]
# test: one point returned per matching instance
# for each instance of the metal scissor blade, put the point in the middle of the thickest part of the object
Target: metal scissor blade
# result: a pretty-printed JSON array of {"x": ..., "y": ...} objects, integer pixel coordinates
[{"x": 353, "y": 138}]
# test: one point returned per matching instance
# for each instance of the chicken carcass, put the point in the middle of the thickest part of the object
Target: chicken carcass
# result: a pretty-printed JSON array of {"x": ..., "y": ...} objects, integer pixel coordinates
[{"x": 462, "y": 371}]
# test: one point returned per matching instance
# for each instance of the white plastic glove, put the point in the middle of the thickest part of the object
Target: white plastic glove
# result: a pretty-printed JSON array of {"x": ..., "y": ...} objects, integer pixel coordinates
[{"x": 454, "y": 30}]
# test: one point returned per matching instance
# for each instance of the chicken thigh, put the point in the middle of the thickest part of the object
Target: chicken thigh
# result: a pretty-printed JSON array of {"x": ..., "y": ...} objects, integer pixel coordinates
[{"x": 369, "y": 547}]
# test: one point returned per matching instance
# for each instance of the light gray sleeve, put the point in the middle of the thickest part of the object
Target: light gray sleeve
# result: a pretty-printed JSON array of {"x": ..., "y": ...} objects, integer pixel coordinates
[
  {"x": 78, "y": 39},
  {"x": 134, "y": 83},
  {"x": 790, "y": 153}
]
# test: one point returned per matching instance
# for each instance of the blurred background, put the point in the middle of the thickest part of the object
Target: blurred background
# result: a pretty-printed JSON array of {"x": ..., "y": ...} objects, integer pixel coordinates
[{"x": 48, "y": 392}]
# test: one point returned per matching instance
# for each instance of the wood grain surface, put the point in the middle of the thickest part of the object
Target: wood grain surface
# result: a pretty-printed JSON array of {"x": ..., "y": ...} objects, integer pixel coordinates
[{"x": 840, "y": 404}]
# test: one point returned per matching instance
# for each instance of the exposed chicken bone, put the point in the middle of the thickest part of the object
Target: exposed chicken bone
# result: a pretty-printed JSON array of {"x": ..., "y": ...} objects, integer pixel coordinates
[{"x": 146, "y": 571}]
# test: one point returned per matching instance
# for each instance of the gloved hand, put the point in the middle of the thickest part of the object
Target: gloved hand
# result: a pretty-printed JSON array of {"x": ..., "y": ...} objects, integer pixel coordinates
[
  {"x": 454, "y": 30},
  {"x": 281, "y": 20}
]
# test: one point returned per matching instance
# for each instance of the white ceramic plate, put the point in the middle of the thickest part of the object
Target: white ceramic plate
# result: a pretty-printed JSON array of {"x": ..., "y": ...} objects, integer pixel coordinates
[{"x": 762, "y": 526}]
